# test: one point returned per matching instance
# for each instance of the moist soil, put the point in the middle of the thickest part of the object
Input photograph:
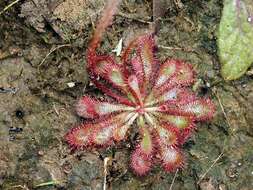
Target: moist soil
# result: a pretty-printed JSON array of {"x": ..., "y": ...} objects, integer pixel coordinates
[{"x": 43, "y": 73}]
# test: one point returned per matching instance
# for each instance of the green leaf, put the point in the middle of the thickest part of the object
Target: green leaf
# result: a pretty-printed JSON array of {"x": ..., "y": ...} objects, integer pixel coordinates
[{"x": 235, "y": 38}]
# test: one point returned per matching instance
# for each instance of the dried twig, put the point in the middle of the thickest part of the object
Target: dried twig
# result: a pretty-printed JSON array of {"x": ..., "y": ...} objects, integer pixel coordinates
[
  {"x": 51, "y": 51},
  {"x": 214, "y": 162},
  {"x": 173, "y": 180},
  {"x": 9, "y": 6},
  {"x": 56, "y": 111},
  {"x": 15, "y": 187},
  {"x": 49, "y": 183},
  {"x": 222, "y": 108},
  {"x": 176, "y": 48},
  {"x": 179, "y": 4},
  {"x": 106, "y": 160},
  {"x": 128, "y": 16}
]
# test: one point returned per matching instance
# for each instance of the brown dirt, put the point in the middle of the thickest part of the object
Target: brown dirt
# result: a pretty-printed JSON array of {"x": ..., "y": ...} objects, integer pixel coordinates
[{"x": 42, "y": 50}]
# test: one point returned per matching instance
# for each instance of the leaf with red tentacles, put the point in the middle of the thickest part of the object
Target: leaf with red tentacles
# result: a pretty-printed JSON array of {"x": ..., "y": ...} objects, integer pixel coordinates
[
  {"x": 150, "y": 96},
  {"x": 140, "y": 162},
  {"x": 88, "y": 107},
  {"x": 172, "y": 158},
  {"x": 168, "y": 135},
  {"x": 80, "y": 137},
  {"x": 109, "y": 70}
]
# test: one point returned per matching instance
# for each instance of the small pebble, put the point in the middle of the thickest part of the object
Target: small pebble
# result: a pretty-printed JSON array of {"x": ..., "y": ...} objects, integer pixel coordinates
[
  {"x": 71, "y": 84},
  {"x": 40, "y": 153}
]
